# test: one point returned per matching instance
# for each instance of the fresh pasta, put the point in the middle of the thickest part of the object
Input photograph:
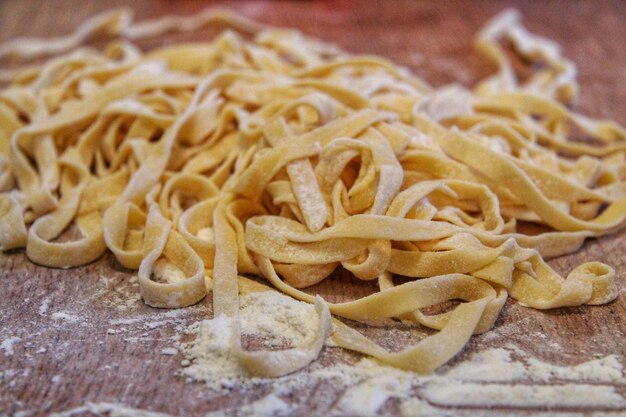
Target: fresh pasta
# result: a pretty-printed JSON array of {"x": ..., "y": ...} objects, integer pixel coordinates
[{"x": 266, "y": 153}]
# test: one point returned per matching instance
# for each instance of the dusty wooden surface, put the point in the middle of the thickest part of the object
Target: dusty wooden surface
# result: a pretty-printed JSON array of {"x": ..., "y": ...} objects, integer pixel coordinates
[{"x": 83, "y": 335}]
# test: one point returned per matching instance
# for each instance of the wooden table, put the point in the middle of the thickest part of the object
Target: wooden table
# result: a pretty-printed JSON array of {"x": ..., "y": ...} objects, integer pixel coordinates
[{"x": 62, "y": 341}]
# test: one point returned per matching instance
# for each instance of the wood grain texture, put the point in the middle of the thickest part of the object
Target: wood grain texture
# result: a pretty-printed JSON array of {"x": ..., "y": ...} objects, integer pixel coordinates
[{"x": 83, "y": 335}]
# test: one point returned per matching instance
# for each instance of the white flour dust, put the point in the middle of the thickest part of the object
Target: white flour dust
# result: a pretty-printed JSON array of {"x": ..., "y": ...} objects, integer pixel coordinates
[
  {"x": 66, "y": 317},
  {"x": 505, "y": 377},
  {"x": 108, "y": 409},
  {"x": 290, "y": 323},
  {"x": 7, "y": 345}
]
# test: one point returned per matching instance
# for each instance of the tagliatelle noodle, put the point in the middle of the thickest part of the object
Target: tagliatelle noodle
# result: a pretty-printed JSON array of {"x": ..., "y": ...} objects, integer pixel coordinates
[{"x": 264, "y": 152}]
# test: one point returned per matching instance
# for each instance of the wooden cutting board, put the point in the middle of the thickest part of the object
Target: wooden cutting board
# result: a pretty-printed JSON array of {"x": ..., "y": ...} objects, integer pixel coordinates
[{"x": 70, "y": 337}]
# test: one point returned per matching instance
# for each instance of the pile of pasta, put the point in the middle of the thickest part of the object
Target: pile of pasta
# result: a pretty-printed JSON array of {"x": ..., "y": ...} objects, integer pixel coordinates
[{"x": 266, "y": 153}]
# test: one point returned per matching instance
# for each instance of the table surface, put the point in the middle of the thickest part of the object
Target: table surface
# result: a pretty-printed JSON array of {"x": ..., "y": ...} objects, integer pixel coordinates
[{"x": 53, "y": 361}]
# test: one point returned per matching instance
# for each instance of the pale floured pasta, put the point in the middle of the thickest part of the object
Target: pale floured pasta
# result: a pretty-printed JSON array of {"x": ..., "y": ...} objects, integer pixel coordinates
[{"x": 264, "y": 152}]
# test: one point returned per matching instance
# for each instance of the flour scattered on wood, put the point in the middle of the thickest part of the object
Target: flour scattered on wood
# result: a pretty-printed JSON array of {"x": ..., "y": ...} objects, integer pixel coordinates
[
  {"x": 108, "y": 409},
  {"x": 209, "y": 355},
  {"x": 66, "y": 317},
  {"x": 269, "y": 405},
  {"x": 273, "y": 319},
  {"x": 505, "y": 377},
  {"x": 43, "y": 308},
  {"x": 290, "y": 323},
  {"x": 7, "y": 345},
  {"x": 122, "y": 294}
]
